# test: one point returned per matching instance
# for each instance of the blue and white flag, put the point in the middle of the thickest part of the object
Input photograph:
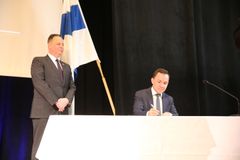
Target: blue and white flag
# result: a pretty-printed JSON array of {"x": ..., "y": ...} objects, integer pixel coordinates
[{"x": 78, "y": 46}]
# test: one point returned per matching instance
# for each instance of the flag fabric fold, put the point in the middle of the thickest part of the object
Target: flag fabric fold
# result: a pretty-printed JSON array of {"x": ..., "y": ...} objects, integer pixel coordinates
[{"x": 78, "y": 45}]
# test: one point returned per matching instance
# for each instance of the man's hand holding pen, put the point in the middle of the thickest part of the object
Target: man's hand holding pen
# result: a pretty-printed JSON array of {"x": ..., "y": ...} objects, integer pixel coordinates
[{"x": 154, "y": 112}]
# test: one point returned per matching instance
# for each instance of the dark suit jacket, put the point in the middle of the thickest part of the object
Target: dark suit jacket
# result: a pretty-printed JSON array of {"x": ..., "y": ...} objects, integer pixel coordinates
[
  {"x": 48, "y": 87},
  {"x": 143, "y": 100}
]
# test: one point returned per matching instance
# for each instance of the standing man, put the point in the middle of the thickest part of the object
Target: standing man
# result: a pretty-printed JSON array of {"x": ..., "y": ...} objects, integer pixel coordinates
[
  {"x": 153, "y": 101},
  {"x": 54, "y": 88}
]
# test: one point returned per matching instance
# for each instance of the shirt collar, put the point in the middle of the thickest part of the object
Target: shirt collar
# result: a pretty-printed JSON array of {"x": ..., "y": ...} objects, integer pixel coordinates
[
  {"x": 53, "y": 58},
  {"x": 154, "y": 92}
]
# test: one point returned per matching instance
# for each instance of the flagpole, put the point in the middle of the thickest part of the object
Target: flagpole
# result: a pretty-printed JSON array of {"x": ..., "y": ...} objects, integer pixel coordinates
[{"x": 106, "y": 87}]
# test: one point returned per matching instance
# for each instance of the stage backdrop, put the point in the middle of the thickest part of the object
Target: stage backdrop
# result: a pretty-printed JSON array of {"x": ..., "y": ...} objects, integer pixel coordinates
[
  {"x": 24, "y": 30},
  {"x": 192, "y": 39}
]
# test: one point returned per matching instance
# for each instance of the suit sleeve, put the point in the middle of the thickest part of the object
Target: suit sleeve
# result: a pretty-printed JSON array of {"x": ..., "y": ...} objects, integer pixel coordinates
[
  {"x": 173, "y": 109},
  {"x": 138, "y": 106},
  {"x": 72, "y": 88},
  {"x": 39, "y": 83}
]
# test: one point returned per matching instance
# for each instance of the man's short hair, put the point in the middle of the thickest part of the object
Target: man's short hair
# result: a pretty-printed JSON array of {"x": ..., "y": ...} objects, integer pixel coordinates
[
  {"x": 160, "y": 70},
  {"x": 52, "y": 36}
]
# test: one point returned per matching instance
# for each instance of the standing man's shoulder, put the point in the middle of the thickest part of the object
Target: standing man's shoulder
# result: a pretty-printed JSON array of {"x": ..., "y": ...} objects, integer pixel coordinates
[
  {"x": 40, "y": 58},
  {"x": 38, "y": 64}
]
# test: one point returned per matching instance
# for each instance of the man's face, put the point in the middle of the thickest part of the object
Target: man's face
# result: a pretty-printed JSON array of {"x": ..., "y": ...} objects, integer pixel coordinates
[
  {"x": 56, "y": 46},
  {"x": 160, "y": 82}
]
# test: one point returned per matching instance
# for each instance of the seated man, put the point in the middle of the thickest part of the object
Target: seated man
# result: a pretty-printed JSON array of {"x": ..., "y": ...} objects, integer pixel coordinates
[{"x": 153, "y": 101}]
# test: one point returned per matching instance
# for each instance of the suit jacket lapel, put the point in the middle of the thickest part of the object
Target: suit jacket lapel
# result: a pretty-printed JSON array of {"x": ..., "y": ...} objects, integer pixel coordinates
[
  {"x": 64, "y": 71},
  {"x": 51, "y": 64},
  {"x": 164, "y": 101},
  {"x": 54, "y": 68},
  {"x": 150, "y": 97}
]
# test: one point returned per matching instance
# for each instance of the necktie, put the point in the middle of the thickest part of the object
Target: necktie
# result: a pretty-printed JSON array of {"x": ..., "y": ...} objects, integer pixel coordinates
[
  {"x": 158, "y": 103},
  {"x": 60, "y": 71}
]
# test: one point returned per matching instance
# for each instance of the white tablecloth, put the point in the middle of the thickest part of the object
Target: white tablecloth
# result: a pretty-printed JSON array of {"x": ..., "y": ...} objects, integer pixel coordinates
[{"x": 140, "y": 138}]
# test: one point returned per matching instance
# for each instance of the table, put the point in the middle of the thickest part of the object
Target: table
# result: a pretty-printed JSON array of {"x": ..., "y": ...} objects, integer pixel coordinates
[{"x": 140, "y": 138}]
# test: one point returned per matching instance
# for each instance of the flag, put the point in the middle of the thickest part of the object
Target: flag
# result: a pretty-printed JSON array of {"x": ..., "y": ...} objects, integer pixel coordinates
[{"x": 78, "y": 46}]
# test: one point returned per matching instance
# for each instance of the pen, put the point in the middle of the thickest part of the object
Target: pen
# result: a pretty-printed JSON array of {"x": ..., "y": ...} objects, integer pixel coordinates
[{"x": 153, "y": 106}]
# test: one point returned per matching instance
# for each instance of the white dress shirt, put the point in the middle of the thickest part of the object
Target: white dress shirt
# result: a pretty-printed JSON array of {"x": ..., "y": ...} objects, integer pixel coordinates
[
  {"x": 155, "y": 98},
  {"x": 54, "y": 60}
]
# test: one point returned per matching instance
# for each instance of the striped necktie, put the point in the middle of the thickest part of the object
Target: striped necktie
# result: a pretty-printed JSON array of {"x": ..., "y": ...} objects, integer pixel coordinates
[
  {"x": 60, "y": 71},
  {"x": 158, "y": 103}
]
